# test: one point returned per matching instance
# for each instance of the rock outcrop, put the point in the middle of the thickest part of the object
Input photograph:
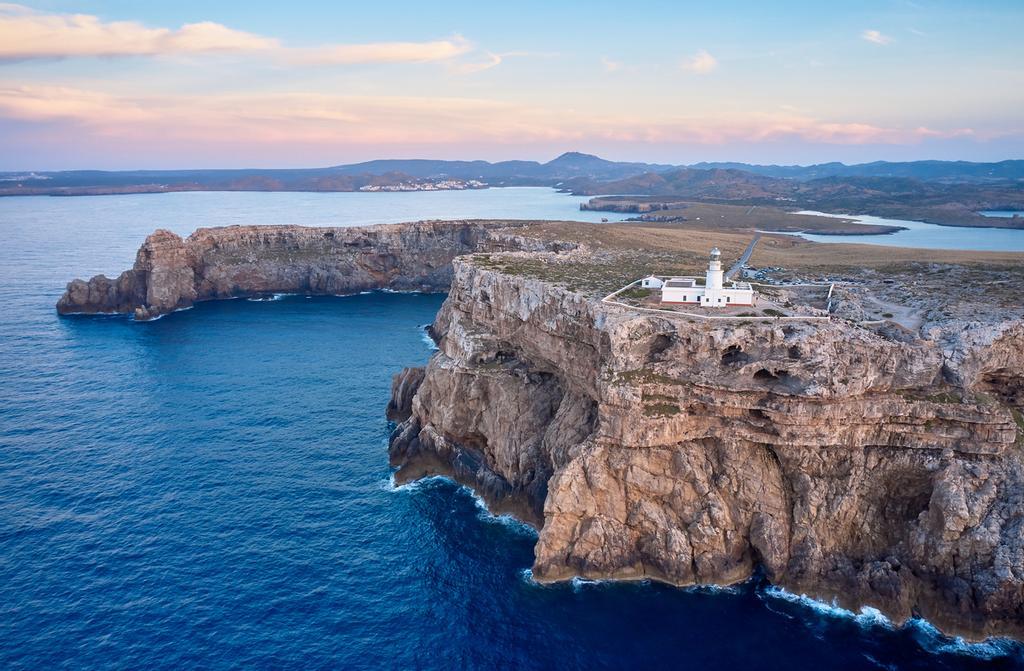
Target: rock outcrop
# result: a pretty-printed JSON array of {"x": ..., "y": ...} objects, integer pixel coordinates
[
  {"x": 171, "y": 273},
  {"x": 849, "y": 465},
  {"x": 872, "y": 467}
]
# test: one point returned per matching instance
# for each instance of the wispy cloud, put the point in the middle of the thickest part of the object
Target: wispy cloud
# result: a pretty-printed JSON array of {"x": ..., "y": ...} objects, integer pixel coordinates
[
  {"x": 380, "y": 122},
  {"x": 610, "y": 65},
  {"x": 489, "y": 61},
  {"x": 383, "y": 52},
  {"x": 26, "y": 34},
  {"x": 875, "y": 37},
  {"x": 700, "y": 63}
]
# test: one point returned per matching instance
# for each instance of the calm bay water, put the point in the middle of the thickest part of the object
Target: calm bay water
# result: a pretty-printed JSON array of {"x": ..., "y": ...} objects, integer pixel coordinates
[
  {"x": 211, "y": 490},
  {"x": 928, "y": 236}
]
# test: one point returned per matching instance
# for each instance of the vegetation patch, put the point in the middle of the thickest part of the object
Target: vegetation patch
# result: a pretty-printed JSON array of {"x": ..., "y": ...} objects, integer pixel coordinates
[
  {"x": 636, "y": 293},
  {"x": 641, "y": 375},
  {"x": 1018, "y": 418},
  {"x": 661, "y": 409},
  {"x": 658, "y": 398}
]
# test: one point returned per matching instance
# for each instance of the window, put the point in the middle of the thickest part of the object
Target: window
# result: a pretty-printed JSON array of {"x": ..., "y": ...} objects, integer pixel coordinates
[{"x": 728, "y": 299}]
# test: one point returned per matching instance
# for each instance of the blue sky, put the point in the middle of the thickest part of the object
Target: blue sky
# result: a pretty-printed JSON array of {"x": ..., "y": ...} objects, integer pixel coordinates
[{"x": 225, "y": 84}]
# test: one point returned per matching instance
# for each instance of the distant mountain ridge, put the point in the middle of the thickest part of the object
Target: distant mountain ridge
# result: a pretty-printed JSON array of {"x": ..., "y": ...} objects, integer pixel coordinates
[
  {"x": 568, "y": 166},
  {"x": 927, "y": 171}
]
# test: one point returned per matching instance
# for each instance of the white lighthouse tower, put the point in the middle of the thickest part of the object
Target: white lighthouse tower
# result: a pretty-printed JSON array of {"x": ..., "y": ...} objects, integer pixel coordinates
[{"x": 713, "y": 279}]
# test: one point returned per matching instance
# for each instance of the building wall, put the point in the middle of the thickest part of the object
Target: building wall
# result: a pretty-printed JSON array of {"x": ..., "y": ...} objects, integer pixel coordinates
[{"x": 696, "y": 295}]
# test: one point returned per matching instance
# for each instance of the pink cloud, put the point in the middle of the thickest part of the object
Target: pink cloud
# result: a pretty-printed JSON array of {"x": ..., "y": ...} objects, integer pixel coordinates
[
  {"x": 383, "y": 52},
  {"x": 313, "y": 119},
  {"x": 700, "y": 63},
  {"x": 26, "y": 34}
]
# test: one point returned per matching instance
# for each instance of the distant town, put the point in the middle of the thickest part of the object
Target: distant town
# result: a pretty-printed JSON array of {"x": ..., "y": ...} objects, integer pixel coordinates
[{"x": 432, "y": 185}]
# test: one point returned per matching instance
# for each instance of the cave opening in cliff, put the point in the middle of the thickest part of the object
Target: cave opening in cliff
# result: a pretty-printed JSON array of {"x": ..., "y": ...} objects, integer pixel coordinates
[
  {"x": 659, "y": 346},
  {"x": 734, "y": 355},
  {"x": 1005, "y": 385},
  {"x": 765, "y": 375}
]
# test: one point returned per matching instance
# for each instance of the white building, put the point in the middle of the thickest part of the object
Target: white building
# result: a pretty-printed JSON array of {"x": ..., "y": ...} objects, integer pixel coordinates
[
  {"x": 652, "y": 282},
  {"x": 715, "y": 293}
]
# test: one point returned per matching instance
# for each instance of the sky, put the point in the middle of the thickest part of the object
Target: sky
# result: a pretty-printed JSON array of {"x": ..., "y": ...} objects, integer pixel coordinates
[{"x": 189, "y": 84}]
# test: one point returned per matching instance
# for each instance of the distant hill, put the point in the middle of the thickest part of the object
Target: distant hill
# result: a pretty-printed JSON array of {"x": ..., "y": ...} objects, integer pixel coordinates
[
  {"x": 570, "y": 169},
  {"x": 566, "y": 166},
  {"x": 954, "y": 204},
  {"x": 929, "y": 171}
]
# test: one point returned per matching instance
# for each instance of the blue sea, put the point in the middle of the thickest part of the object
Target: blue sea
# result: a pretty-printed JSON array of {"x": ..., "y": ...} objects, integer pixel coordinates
[{"x": 211, "y": 490}]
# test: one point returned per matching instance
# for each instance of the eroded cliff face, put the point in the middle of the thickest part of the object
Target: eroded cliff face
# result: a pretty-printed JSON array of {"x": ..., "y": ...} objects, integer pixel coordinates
[
  {"x": 851, "y": 466},
  {"x": 171, "y": 273}
]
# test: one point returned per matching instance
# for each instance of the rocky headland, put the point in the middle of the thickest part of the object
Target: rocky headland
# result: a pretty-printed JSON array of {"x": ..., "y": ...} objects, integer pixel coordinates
[
  {"x": 872, "y": 465},
  {"x": 172, "y": 273}
]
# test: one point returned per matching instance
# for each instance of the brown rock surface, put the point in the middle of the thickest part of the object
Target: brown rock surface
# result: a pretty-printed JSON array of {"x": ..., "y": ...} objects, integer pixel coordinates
[
  {"x": 171, "y": 273},
  {"x": 852, "y": 466}
]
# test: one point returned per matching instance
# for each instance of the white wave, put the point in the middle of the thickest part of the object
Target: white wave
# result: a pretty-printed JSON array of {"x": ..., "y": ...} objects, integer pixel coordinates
[
  {"x": 935, "y": 641},
  {"x": 390, "y": 485},
  {"x": 867, "y": 615},
  {"x": 483, "y": 512},
  {"x": 159, "y": 317},
  {"x": 272, "y": 297},
  {"x": 427, "y": 339},
  {"x": 385, "y": 290},
  {"x": 930, "y": 638},
  {"x": 713, "y": 589}
]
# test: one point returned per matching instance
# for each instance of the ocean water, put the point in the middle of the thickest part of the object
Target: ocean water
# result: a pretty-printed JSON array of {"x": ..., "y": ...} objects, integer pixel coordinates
[
  {"x": 1002, "y": 213},
  {"x": 211, "y": 490},
  {"x": 927, "y": 236}
]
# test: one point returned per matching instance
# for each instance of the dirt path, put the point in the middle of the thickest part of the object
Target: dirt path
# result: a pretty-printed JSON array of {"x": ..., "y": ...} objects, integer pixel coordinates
[{"x": 907, "y": 317}]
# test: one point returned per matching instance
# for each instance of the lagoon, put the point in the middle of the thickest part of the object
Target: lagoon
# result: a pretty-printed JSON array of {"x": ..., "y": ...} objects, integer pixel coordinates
[{"x": 926, "y": 236}]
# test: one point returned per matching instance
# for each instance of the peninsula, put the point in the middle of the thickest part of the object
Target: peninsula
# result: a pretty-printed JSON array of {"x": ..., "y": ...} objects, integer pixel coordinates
[{"x": 873, "y": 455}]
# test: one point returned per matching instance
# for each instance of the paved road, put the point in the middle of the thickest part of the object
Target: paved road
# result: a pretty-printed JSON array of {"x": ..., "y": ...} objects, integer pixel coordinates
[{"x": 738, "y": 266}]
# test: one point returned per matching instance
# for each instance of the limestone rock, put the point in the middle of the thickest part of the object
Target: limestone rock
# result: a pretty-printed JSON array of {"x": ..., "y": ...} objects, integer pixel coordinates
[
  {"x": 171, "y": 273},
  {"x": 850, "y": 465}
]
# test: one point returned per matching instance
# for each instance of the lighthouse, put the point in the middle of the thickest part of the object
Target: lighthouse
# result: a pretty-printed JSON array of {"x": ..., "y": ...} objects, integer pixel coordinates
[
  {"x": 713, "y": 279},
  {"x": 714, "y": 294}
]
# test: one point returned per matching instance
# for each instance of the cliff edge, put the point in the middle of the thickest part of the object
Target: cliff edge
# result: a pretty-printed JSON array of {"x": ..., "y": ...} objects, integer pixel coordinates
[
  {"x": 171, "y": 273},
  {"x": 850, "y": 464}
]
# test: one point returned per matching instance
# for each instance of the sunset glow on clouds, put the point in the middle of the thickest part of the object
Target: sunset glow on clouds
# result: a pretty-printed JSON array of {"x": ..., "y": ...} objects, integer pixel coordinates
[{"x": 79, "y": 88}]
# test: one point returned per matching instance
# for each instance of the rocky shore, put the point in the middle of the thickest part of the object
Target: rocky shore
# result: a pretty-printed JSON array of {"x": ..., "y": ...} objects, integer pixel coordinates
[
  {"x": 171, "y": 273},
  {"x": 877, "y": 467}
]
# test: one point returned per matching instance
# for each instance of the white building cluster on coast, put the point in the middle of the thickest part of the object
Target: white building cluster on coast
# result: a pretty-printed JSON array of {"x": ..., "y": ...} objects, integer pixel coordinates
[{"x": 436, "y": 185}]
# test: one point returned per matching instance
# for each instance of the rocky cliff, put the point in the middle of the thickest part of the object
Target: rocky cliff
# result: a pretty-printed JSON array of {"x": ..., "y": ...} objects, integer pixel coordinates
[
  {"x": 874, "y": 467},
  {"x": 853, "y": 466},
  {"x": 171, "y": 273}
]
